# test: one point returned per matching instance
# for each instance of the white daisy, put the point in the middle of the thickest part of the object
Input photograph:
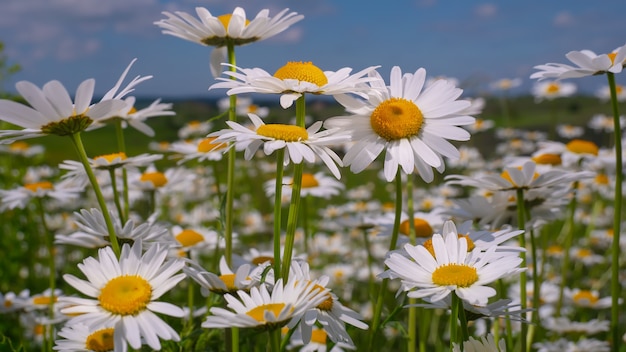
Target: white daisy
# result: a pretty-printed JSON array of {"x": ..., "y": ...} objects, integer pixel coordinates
[
  {"x": 316, "y": 185},
  {"x": 260, "y": 309},
  {"x": 293, "y": 80},
  {"x": 412, "y": 126},
  {"x": 506, "y": 84},
  {"x": 22, "y": 148},
  {"x": 135, "y": 118},
  {"x": 64, "y": 191},
  {"x": 227, "y": 282},
  {"x": 220, "y": 31},
  {"x": 52, "y": 110},
  {"x": 125, "y": 292},
  {"x": 587, "y": 63},
  {"x": 80, "y": 337},
  {"x": 194, "y": 129},
  {"x": 199, "y": 149},
  {"x": 552, "y": 90},
  {"x": 452, "y": 268},
  {"x": 299, "y": 143}
]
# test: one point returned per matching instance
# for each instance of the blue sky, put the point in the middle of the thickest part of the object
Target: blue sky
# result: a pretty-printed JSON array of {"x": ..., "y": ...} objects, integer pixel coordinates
[{"x": 474, "y": 41}]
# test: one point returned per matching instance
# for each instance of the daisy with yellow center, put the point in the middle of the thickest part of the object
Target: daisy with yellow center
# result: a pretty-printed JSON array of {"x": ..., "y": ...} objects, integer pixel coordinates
[
  {"x": 52, "y": 111},
  {"x": 19, "y": 197},
  {"x": 124, "y": 295},
  {"x": 227, "y": 282},
  {"x": 293, "y": 80},
  {"x": 80, "y": 337},
  {"x": 300, "y": 144},
  {"x": 587, "y": 63},
  {"x": 285, "y": 305},
  {"x": 552, "y": 90},
  {"x": 317, "y": 185},
  {"x": 411, "y": 125},
  {"x": 452, "y": 268}
]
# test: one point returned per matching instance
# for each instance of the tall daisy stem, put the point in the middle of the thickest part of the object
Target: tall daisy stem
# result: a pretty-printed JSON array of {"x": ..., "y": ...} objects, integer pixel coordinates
[
  {"x": 617, "y": 219},
  {"x": 278, "y": 195},
  {"x": 412, "y": 324},
  {"x": 521, "y": 220},
  {"x": 82, "y": 155},
  {"x": 121, "y": 146},
  {"x": 49, "y": 334},
  {"x": 230, "y": 176},
  {"x": 380, "y": 300},
  {"x": 294, "y": 205}
]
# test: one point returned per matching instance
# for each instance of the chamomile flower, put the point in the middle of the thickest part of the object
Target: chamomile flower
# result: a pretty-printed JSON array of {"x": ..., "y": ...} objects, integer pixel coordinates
[
  {"x": 552, "y": 90},
  {"x": 299, "y": 143},
  {"x": 18, "y": 197},
  {"x": 200, "y": 149},
  {"x": 93, "y": 233},
  {"x": 232, "y": 28},
  {"x": 125, "y": 293},
  {"x": 21, "y": 148},
  {"x": 293, "y": 80},
  {"x": 80, "y": 337},
  {"x": 135, "y": 118},
  {"x": 316, "y": 185},
  {"x": 194, "y": 129},
  {"x": 409, "y": 124},
  {"x": 587, "y": 63},
  {"x": 287, "y": 303},
  {"x": 604, "y": 93},
  {"x": 52, "y": 110},
  {"x": 506, "y": 84},
  {"x": 586, "y": 298},
  {"x": 569, "y": 131},
  {"x": 227, "y": 282},
  {"x": 452, "y": 268}
]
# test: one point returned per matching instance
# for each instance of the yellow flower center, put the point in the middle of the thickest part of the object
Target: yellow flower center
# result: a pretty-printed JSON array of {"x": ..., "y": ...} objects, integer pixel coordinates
[
  {"x": 158, "y": 179},
  {"x": 455, "y": 275},
  {"x": 253, "y": 108},
  {"x": 110, "y": 157},
  {"x": 619, "y": 89},
  {"x": 18, "y": 146},
  {"x": 309, "y": 181},
  {"x": 612, "y": 57},
  {"x": 100, "y": 340},
  {"x": 552, "y": 88},
  {"x": 584, "y": 253},
  {"x": 580, "y": 146},
  {"x": 302, "y": 71},
  {"x": 602, "y": 179},
  {"x": 188, "y": 238},
  {"x": 225, "y": 19},
  {"x": 44, "y": 300},
  {"x": 396, "y": 118},
  {"x": 506, "y": 83},
  {"x": 505, "y": 175},
  {"x": 206, "y": 145},
  {"x": 125, "y": 295},
  {"x": 547, "y": 159},
  {"x": 229, "y": 281},
  {"x": 318, "y": 336},
  {"x": 585, "y": 297},
  {"x": 327, "y": 304},
  {"x": 422, "y": 228},
  {"x": 258, "y": 313},
  {"x": 262, "y": 259},
  {"x": 555, "y": 250},
  {"x": 132, "y": 110},
  {"x": 34, "y": 187},
  {"x": 287, "y": 133}
]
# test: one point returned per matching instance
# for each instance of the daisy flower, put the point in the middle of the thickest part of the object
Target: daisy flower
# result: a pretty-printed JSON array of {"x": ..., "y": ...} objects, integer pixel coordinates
[
  {"x": 22, "y": 148},
  {"x": 587, "y": 63},
  {"x": 200, "y": 149},
  {"x": 506, "y": 84},
  {"x": 125, "y": 293},
  {"x": 135, "y": 117},
  {"x": 52, "y": 110},
  {"x": 219, "y": 31},
  {"x": 92, "y": 231},
  {"x": 244, "y": 107},
  {"x": 227, "y": 282},
  {"x": 194, "y": 239},
  {"x": 20, "y": 196},
  {"x": 172, "y": 180},
  {"x": 80, "y": 337},
  {"x": 299, "y": 143},
  {"x": 287, "y": 303},
  {"x": 570, "y": 131},
  {"x": 194, "y": 129},
  {"x": 552, "y": 90},
  {"x": 316, "y": 185},
  {"x": 452, "y": 268},
  {"x": 293, "y": 80},
  {"x": 586, "y": 298},
  {"x": 604, "y": 93},
  {"x": 412, "y": 126}
]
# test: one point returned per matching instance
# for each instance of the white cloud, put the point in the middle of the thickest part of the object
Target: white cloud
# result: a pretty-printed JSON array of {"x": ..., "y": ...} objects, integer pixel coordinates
[
  {"x": 486, "y": 10},
  {"x": 564, "y": 19}
]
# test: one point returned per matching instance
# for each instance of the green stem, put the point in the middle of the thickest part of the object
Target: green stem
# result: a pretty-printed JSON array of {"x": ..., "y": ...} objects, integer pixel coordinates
[
  {"x": 305, "y": 223},
  {"x": 380, "y": 300},
  {"x": 49, "y": 331},
  {"x": 274, "y": 335},
  {"x": 412, "y": 324},
  {"x": 278, "y": 195},
  {"x": 521, "y": 220},
  {"x": 82, "y": 154},
  {"x": 121, "y": 146},
  {"x": 617, "y": 219},
  {"x": 454, "y": 326},
  {"x": 294, "y": 205},
  {"x": 230, "y": 177},
  {"x": 116, "y": 197}
]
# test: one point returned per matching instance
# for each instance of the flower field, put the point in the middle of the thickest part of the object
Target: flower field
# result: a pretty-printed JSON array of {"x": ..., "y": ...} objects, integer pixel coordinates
[{"x": 366, "y": 209}]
